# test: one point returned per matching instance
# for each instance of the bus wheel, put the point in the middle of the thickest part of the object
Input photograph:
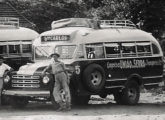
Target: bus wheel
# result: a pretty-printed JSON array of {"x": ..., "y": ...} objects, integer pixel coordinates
[
  {"x": 19, "y": 102},
  {"x": 131, "y": 93},
  {"x": 94, "y": 78}
]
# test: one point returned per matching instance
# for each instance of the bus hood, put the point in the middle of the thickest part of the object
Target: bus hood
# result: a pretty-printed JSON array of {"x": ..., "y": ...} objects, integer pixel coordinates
[
  {"x": 31, "y": 68},
  {"x": 38, "y": 67}
]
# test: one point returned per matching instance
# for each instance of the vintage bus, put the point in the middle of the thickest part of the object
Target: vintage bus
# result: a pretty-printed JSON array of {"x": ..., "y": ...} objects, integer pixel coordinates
[
  {"x": 15, "y": 42},
  {"x": 102, "y": 61}
]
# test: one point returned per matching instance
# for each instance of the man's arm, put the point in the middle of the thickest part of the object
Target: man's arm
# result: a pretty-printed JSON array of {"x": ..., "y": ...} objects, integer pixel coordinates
[
  {"x": 8, "y": 70},
  {"x": 47, "y": 68}
]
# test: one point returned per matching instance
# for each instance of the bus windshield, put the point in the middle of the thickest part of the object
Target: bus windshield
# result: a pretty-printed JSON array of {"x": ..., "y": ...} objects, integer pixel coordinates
[
  {"x": 42, "y": 52},
  {"x": 66, "y": 51}
]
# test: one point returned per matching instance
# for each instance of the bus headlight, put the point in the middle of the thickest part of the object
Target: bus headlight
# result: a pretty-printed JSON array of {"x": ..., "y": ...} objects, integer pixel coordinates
[
  {"x": 6, "y": 79},
  {"x": 45, "y": 79}
]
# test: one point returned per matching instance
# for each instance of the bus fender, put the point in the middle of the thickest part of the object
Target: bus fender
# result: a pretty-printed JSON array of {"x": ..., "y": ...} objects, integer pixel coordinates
[{"x": 136, "y": 77}]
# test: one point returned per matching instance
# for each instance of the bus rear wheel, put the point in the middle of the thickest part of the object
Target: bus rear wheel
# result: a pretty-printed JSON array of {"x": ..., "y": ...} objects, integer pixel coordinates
[{"x": 131, "y": 93}]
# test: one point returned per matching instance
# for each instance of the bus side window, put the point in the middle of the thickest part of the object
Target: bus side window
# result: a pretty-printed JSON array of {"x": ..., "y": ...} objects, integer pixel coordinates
[
  {"x": 3, "y": 49},
  {"x": 128, "y": 50},
  {"x": 14, "y": 48},
  {"x": 144, "y": 49},
  {"x": 26, "y": 48},
  {"x": 95, "y": 51},
  {"x": 112, "y": 50},
  {"x": 99, "y": 52},
  {"x": 80, "y": 53},
  {"x": 155, "y": 49},
  {"x": 90, "y": 52}
]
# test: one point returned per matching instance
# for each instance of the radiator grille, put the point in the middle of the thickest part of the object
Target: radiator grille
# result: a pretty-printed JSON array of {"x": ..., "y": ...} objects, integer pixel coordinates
[{"x": 22, "y": 81}]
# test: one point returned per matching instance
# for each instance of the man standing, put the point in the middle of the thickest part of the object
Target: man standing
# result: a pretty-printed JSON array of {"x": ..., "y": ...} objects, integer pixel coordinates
[
  {"x": 3, "y": 68},
  {"x": 61, "y": 82}
]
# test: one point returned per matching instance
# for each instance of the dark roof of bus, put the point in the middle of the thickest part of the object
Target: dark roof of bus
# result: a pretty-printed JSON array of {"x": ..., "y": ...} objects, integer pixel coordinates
[{"x": 17, "y": 34}]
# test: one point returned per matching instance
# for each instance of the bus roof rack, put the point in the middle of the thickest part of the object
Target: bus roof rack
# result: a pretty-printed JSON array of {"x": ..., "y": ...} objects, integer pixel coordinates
[
  {"x": 9, "y": 22},
  {"x": 117, "y": 24}
]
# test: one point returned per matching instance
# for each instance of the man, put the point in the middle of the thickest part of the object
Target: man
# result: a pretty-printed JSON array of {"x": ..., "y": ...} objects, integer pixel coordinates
[
  {"x": 3, "y": 68},
  {"x": 61, "y": 82}
]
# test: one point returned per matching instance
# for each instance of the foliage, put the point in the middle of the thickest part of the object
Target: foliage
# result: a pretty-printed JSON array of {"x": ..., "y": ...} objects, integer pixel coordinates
[
  {"x": 42, "y": 13},
  {"x": 149, "y": 14}
]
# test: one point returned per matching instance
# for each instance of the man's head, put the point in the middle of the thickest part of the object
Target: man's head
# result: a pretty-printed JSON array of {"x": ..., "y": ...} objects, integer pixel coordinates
[
  {"x": 1, "y": 60},
  {"x": 55, "y": 56}
]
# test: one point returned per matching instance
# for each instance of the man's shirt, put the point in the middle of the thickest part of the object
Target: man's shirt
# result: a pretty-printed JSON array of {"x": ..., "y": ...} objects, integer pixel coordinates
[
  {"x": 3, "y": 68},
  {"x": 57, "y": 67}
]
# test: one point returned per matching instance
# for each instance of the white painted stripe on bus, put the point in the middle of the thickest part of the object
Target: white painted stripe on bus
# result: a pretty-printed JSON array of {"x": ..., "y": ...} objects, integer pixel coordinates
[
  {"x": 149, "y": 77},
  {"x": 109, "y": 80},
  {"x": 114, "y": 86},
  {"x": 152, "y": 84},
  {"x": 120, "y": 58}
]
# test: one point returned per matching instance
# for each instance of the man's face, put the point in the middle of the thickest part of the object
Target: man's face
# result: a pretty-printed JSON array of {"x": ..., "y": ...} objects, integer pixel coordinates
[
  {"x": 1, "y": 61},
  {"x": 55, "y": 57}
]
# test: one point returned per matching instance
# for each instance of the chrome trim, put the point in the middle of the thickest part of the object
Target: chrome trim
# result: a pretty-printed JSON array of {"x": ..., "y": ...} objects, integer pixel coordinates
[
  {"x": 26, "y": 93},
  {"x": 25, "y": 81},
  {"x": 25, "y": 77},
  {"x": 149, "y": 77},
  {"x": 152, "y": 84},
  {"x": 26, "y": 85},
  {"x": 114, "y": 86},
  {"x": 109, "y": 80}
]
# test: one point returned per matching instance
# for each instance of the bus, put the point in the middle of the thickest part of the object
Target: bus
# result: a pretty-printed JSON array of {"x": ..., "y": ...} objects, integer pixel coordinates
[
  {"x": 120, "y": 63},
  {"x": 15, "y": 42},
  {"x": 102, "y": 60}
]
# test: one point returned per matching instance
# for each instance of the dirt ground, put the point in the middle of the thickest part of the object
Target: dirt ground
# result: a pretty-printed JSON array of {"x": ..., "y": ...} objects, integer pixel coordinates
[{"x": 151, "y": 107}]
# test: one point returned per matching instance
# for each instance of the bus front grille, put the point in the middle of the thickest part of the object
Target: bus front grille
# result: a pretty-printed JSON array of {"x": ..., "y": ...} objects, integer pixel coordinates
[{"x": 21, "y": 81}]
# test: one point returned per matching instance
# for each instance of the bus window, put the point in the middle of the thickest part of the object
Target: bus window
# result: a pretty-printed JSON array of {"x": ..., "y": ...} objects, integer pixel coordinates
[
  {"x": 80, "y": 53},
  {"x": 3, "y": 49},
  {"x": 155, "y": 49},
  {"x": 27, "y": 48},
  {"x": 128, "y": 49},
  {"x": 144, "y": 49},
  {"x": 66, "y": 51},
  {"x": 112, "y": 50},
  {"x": 14, "y": 48},
  {"x": 95, "y": 51}
]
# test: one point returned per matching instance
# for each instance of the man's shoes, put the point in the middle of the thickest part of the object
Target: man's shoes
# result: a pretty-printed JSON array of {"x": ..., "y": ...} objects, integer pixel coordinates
[
  {"x": 59, "y": 109},
  {"x": 68, "y": 109}
]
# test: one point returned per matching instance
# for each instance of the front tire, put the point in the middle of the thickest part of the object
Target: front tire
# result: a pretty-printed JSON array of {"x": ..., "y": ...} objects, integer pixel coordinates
[{"x": 94, "y": 78}]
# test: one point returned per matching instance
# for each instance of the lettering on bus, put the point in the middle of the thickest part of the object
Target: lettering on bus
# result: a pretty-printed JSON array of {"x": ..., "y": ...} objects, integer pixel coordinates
[
  {"x": 55, "y": 38},
  {"x": 127, "y": 64}
]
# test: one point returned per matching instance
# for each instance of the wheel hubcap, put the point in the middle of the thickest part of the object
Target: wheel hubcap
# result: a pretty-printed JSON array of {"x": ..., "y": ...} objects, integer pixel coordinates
[
  {"x": 96, "y": 78},
  {"x": 132, "y": 93}
]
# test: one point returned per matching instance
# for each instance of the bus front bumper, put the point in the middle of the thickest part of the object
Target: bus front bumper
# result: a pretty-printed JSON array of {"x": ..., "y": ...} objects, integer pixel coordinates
[{"x": 44, "y": 93}]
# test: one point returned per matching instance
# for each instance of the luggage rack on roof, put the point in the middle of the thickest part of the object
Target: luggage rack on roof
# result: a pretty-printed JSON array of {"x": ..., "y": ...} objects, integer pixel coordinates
[
  {"x": 9, "y": 22},
  {"x": 117, "y": 24}
]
